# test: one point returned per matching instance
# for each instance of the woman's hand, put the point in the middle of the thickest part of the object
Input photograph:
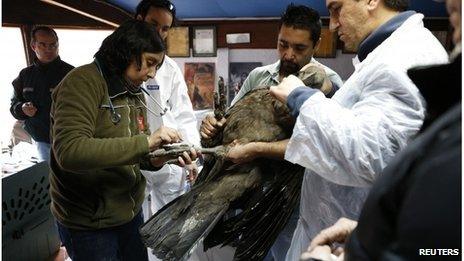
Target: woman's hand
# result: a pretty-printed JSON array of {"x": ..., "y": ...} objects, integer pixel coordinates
[{"x": 162, "y": 136}]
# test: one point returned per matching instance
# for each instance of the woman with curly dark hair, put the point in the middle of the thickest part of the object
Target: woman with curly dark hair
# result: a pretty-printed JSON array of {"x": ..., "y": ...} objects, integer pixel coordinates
[{"x": 101, "y": 141}]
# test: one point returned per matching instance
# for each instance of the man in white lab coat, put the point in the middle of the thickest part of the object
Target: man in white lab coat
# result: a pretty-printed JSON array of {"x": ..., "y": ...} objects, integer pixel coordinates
[
  {"x": 346, "y": 141},
  {"x": 169, "y": 90}
]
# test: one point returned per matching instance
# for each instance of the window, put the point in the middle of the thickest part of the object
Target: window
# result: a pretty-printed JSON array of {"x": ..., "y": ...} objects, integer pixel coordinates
[
  {"x": 13, "y": 60},
  {"x": 77, "y": 47}
]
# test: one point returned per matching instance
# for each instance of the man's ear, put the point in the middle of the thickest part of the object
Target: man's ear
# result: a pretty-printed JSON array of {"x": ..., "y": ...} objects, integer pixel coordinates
[
  {"x": 373, "y": 4},
  {"x": 33, "y": 46}
]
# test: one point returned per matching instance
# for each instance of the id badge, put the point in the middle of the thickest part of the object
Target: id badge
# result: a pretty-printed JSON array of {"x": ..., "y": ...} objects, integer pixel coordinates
[{"x": 141, "y": 123}]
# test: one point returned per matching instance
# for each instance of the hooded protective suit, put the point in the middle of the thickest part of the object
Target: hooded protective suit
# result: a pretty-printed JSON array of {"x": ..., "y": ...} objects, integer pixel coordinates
[
  {"x": 169, "y": 89},
  {"x": 346, "y": 141}
]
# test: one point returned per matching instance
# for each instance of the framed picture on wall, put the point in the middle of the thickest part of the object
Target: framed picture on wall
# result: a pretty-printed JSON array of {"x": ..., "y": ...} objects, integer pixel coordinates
[
  {"x": 328, "y": 45},
  {"x": 200, "y": 79},
  {"x": 204, "y": 41},
  {"x": 238, "y": 72},
  {"x": 177, "y": 42}
]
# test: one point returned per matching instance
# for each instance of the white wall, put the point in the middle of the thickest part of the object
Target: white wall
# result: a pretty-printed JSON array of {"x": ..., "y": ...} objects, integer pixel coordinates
[
  {"x": 342, "y": 64},
  {"x": 265, "y": 56},
  {"x": 77, "y": 47}
]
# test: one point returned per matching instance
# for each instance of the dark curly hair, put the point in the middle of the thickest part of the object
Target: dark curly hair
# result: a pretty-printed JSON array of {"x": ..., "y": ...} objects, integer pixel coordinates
[
  {"x": 397, "y": 5},
  {"x": 128, "y": 42},
  {"x": 144, "y": 6},
  {"x": 303, "y": 17}
]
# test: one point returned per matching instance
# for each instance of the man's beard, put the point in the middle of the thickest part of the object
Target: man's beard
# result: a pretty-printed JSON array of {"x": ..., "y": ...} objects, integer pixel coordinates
[{"x": 287, "y": 68}]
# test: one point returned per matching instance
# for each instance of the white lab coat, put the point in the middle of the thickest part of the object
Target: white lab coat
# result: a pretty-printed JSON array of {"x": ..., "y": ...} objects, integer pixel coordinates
[
  {"x": 169, "y": 88},
  {"x": 346, "y": 141}
]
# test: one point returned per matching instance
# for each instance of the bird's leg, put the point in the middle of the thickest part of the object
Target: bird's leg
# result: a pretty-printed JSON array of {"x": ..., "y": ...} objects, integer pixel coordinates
[
  {"x": 220, "y": 102},
  {"x": 172, "y": 150},
  {"x": 177, "y": 150},
  {"x": 220, "y": 106},
  {"x": 217, "y": 151}
]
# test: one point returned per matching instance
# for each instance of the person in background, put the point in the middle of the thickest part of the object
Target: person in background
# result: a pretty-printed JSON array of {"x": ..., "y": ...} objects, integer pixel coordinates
[
  {"x": 33, "y": 87},
  {"x": 101, "y": 140},
  {"x": 298, "y": 40},
  {"x": 345, "y": 142},
  {"x": 168, "y": 89},
  {"x": 414, "y": 209}
]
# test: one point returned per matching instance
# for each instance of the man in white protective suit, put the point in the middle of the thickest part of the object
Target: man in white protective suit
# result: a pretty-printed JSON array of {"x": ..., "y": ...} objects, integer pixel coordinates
[
  {"x": 346, "y": 141},
  {"x": 168, "y": 88}
]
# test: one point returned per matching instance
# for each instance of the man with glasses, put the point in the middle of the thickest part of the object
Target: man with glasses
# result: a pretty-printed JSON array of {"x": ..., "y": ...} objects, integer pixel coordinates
[
  {"x": 168, "y": 88},
  {"x": 32, "y": 88}
]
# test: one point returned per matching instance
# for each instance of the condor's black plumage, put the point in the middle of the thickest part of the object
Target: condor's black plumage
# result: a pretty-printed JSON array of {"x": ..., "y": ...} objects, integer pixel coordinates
[{"x": 264, "y": 191}]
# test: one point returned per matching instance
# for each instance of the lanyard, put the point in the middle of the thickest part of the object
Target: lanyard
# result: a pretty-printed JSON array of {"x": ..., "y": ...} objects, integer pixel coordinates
[{"x": 164, "y": 110}]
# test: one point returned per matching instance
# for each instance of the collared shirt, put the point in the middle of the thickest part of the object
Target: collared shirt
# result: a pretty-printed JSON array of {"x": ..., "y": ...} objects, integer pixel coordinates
[{"x": 269, "y": 76}]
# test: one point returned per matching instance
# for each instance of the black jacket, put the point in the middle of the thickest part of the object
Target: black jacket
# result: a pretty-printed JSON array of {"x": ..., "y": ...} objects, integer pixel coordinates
[
  {"x": 414, "y": 208},
  {"x": 35, "y": 84}
]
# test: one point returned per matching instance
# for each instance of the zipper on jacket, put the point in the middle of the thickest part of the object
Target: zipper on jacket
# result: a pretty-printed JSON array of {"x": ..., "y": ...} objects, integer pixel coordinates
[
  {"x": 129, "y": 117},
  {"x": 132, "y": 167}
]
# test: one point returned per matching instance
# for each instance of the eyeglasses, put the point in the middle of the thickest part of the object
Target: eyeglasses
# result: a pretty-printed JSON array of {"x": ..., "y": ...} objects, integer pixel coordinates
[{"x": 47, "y": 46}]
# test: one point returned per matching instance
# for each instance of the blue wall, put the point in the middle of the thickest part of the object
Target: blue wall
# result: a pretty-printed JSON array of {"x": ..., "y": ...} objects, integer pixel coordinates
[{"x": 194, "y": 9}]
